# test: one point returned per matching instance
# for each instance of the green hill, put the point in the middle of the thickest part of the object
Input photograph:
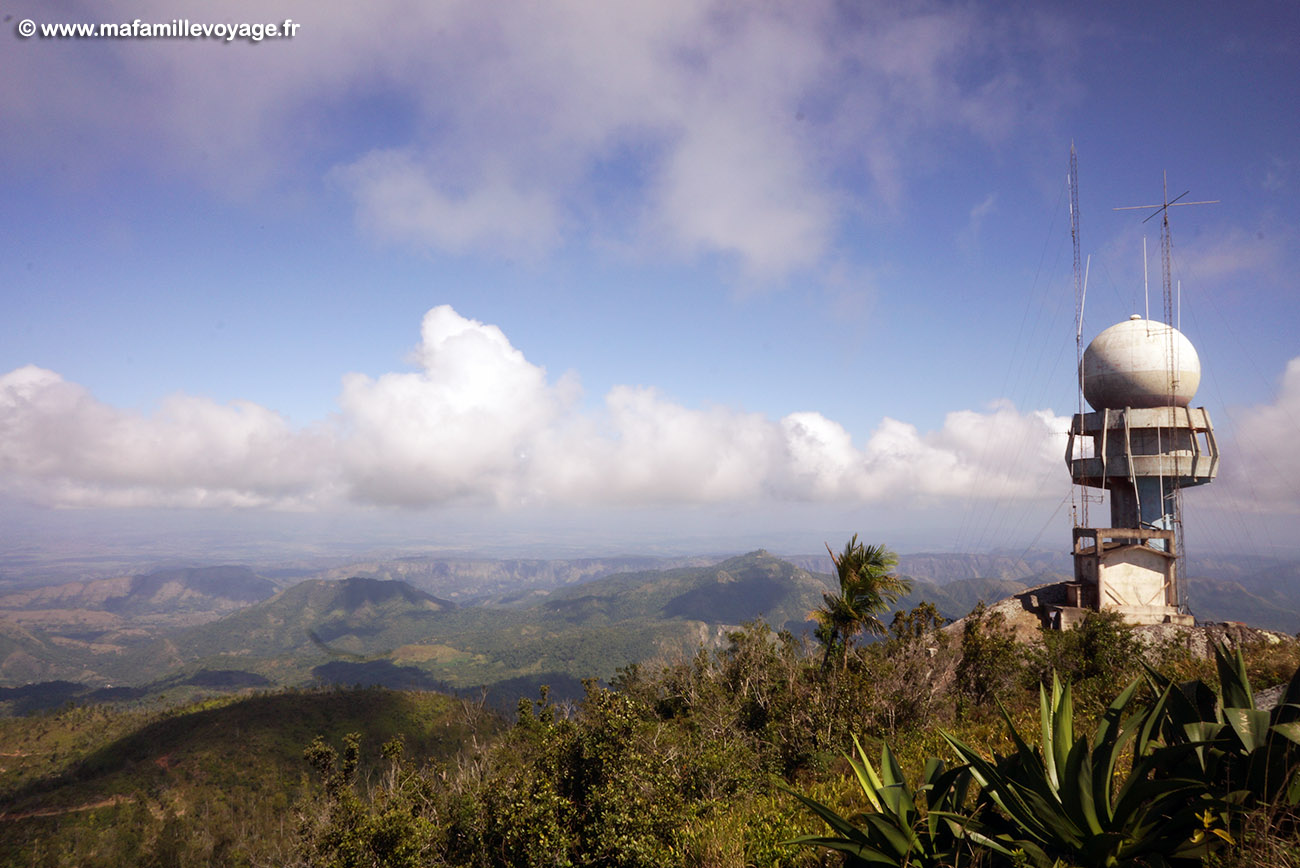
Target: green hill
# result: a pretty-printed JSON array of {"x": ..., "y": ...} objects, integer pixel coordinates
[
  {"x": 370, "y": 631},
  {"x": 308, "y": 624},
  {"x": 176, "y": 591},
  {"x": 737, "y": 590},
  {"x": 503, "y": 580},
  {"x": 1269, "y": 608},
  {"x": 955, "y": 599},
  {"x": 90, "y": 631},
  {"x": 674, "y": 765},
  {"x": 361, "y": 630},
  {"x": 26, "y": 655},
  {"x": 224, "y": 771}
]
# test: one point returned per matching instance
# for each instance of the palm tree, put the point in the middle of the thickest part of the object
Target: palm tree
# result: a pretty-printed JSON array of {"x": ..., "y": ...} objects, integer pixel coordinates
[{"x": 867, "y": 588}]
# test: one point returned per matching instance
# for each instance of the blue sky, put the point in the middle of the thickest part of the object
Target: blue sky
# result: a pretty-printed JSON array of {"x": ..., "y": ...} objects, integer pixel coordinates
[{"x": 625, "y": 274}]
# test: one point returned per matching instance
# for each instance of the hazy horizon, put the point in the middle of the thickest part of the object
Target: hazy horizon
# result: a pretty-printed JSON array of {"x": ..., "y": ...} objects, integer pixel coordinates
[{"x": 90, "y": 544}]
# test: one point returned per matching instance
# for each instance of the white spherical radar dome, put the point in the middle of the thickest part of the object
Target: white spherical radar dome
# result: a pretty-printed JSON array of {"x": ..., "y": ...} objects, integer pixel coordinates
[{"x": 1139, "y": 364}]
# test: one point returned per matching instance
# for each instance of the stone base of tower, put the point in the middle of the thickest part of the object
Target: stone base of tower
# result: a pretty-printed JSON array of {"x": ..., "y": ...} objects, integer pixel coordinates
[{"x": 1132, "y": 571}]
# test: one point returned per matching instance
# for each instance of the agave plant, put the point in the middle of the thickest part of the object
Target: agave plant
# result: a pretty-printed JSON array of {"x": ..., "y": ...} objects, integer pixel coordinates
[
  {"x": 1249, "y": 754},
  {"x": 1152, "y": 787},
  {"x": 1069, "y": 803},
  {"x": 898, "y": 831}
]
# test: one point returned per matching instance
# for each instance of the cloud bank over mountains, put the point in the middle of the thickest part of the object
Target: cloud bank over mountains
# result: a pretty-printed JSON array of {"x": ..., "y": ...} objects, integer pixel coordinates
[{"x": 478, "y": 423}]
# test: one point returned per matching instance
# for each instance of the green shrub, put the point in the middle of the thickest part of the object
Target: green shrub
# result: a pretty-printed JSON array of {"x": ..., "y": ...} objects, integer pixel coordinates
[
  {"x": 991, "y": 659},
  {"x": 1094, "y": 655}
]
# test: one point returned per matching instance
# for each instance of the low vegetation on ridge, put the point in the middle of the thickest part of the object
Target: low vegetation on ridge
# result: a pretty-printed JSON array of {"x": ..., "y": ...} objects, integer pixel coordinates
[{"x": 926, "y": 747}]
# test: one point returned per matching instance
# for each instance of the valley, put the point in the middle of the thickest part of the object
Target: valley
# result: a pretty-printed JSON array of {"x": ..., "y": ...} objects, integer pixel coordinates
[{"x": 478, "y": 625}]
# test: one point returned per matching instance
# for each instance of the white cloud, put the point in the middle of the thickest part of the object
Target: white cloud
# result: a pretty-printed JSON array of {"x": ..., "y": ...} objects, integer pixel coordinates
[
  {"x": 1236, "y": 260},
  {"x": 459, "y": 429},
  {"x": 710, "y": 127},
  {"x": 1260, "y": 463},
  {"x": 969, "y": 236},
  {"x": 1237, "y": 255},
  {"x": 59, "y": 445},
  {"x": 478, "y": 423},
  {"x": 398, "y": 200}
]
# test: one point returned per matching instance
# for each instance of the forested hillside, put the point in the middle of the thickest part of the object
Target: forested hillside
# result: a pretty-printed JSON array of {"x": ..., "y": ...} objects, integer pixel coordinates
[
  {"x": 215, "y": 782},
  {"x": 171, "y": 635},
  {"x": 372, "y": 631},
  {"x": 692, "y": 762}
]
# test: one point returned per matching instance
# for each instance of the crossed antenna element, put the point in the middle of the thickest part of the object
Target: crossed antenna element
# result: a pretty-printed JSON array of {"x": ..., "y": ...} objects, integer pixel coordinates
[{"x": 1166, "y": 241}]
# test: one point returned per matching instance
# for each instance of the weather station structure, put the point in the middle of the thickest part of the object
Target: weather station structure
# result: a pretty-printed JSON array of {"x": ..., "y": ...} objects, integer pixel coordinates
[{"x": 1142, "y": 443}]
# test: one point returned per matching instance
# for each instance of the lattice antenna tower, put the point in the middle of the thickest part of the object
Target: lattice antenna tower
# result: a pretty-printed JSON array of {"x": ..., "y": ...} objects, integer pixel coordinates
[
  {"x": 1080, "y": 293},
  {"x": 1166, "y": 258}
]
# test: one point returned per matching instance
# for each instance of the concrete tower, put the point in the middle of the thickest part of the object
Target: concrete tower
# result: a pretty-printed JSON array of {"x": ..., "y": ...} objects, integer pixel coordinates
[{"x": 1143, "y": 443}]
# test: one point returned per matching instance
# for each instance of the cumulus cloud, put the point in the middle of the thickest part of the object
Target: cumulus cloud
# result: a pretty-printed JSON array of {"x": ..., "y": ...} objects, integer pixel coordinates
[
  {"x": 478, "y": 423},
  {"x": 459, "y": 429},
  {"x": 60, "y": 445},
  {"x": 735, "y": 127},
  {"x": 1262, "y": 471}
]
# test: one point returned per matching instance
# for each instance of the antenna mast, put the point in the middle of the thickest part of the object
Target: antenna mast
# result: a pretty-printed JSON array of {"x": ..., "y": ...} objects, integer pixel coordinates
[
  {"x": 1081, "y": 517},
  {"x": 1166, "y": 258},
  {"x": 1166, "y": 241}
]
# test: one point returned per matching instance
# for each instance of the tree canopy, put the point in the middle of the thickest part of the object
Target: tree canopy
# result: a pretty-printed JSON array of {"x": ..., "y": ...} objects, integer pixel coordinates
[{"x": 867, "y": 587}]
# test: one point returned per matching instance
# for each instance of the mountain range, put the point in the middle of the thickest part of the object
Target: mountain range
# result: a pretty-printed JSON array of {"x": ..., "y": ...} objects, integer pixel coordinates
[
  {"x": 388, "y": 631},
  {"x": 164, "y": 630}
]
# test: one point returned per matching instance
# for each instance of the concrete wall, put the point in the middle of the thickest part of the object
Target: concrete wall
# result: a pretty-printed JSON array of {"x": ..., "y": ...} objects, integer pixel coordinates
[{"x": 1135, "y": 578}]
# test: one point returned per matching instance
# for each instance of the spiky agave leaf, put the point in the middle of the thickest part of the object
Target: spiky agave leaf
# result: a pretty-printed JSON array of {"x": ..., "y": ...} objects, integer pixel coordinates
[
  {"x": 897, "y": 832},
  {"x": 1060, "y": 800}
]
